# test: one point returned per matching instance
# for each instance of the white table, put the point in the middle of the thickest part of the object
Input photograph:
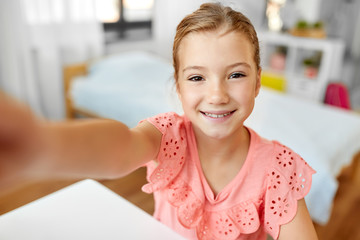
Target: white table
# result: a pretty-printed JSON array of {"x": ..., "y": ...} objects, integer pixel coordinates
[{"x": 84, "y": 210}]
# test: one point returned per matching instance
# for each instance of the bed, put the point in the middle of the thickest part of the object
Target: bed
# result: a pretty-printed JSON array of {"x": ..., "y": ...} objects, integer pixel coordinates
[
  {"x": 127, "y": 87},
  {"x": 134, "y": 85}
]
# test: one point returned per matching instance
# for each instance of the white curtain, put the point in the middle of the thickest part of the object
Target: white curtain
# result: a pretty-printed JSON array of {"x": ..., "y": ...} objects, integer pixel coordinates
[{"x": 39, "y": 37}]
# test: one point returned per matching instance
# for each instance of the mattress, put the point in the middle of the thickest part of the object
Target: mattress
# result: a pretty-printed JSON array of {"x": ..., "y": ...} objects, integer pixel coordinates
[{"x": 128, "y": 87}]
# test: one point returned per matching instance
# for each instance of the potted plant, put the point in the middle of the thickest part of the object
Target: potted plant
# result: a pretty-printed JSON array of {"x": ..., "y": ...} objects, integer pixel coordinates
[{"x": 305, "y": 29}]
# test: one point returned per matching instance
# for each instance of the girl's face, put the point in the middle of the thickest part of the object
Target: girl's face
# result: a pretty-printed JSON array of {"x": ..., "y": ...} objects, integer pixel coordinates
[{"x": 217, "y": 81}]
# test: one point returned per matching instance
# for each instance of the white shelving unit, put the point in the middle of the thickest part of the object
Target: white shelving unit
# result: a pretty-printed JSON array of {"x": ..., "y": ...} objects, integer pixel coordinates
[{"x": 298, "y": 49}]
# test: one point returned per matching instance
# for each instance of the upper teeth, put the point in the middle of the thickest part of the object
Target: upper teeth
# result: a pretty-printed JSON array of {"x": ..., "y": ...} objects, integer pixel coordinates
[{"x": 216, "y": 115}]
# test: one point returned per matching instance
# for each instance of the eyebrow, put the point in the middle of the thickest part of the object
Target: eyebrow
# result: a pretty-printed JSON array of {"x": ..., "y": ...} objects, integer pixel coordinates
[
  {"x": 239, "y": 64},
  {"x": 193, "y": 67},
  {"x": 228, "y": 67}
]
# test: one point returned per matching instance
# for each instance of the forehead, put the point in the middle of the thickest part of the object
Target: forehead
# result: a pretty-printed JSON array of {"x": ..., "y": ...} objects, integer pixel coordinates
[{"x": 215, "y": 47}]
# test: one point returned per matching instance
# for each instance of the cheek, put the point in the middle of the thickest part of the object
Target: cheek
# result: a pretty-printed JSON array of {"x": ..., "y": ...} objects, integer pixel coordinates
[
  {"x": 243, "y": 95},
  {"x": 188, "y": 96}
]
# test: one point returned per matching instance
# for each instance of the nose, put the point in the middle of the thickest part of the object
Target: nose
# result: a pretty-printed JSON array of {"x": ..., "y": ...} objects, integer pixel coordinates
[{"x": 217, "y": 93}]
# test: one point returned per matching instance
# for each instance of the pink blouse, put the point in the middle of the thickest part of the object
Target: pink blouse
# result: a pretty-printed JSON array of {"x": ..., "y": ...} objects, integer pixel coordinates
[{"x": 261, "y": 197}]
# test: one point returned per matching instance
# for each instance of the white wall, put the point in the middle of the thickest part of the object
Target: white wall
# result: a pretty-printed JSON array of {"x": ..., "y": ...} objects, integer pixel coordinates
[
  {"x": 32, "y": 53},
  {"x": 167, "y": 15},
  {"x": 15, "y": 61},
  {"x": 309, "y": 9}
]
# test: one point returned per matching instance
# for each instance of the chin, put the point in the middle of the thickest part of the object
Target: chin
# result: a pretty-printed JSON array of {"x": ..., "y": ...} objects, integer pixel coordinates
[{"x": 218, "y": 135}]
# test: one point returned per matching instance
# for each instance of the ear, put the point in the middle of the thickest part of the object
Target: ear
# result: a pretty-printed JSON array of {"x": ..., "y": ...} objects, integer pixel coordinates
[{"x": 258, "y": 82}]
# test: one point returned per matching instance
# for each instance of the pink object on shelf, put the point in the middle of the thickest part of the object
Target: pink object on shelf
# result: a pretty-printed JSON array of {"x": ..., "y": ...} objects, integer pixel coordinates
[
  {"x": 337, "y": 95},
  {"x": 277, "y": 61}
]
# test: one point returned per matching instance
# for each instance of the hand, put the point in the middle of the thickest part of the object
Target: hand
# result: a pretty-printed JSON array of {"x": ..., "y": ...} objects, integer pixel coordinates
[{"x": 19, "y": 140}]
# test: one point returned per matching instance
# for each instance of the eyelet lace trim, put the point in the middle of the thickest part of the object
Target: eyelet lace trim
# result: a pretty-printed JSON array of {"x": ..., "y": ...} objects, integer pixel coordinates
[
  {"x": 172, "y": 151},
  {"x": 227, "y": 224},
  {"x": 287, "y": 183}
]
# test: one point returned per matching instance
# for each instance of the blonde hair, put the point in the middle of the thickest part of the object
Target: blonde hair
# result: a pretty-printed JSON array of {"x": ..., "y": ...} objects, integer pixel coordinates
[{"x": 211, "y": 17}]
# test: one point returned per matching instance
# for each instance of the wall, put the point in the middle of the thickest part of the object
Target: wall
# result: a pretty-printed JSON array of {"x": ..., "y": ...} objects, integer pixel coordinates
[
  {"x": 309, "y": 10},
  {"x": 15, "y": 61},
  {"x": 34, "y": 52}
]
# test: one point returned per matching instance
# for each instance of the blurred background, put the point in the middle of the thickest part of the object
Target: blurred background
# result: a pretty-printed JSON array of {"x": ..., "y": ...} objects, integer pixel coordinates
[
  {"x": 309, "y": 49},
  {"x": 39, "y": 37}
]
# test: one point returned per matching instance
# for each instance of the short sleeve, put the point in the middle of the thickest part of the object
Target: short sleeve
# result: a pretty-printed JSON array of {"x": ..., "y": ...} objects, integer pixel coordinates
[
  {"x": 172, "y": 150},
  {"x": 288, "y": 180}
]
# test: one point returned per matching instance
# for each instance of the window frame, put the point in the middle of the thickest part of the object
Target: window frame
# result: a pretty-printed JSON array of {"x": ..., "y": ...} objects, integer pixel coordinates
[{"x": 121, "y": 26}]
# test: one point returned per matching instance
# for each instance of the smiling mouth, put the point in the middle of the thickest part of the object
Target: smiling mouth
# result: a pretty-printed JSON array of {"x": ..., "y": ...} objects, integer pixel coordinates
[{"x": 214, "y": 115}]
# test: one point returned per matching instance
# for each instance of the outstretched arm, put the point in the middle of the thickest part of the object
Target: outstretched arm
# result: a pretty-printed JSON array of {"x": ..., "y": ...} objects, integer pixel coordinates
[
  {"x": 97, "y": 148},
  {"x": 301, "y": 227}
]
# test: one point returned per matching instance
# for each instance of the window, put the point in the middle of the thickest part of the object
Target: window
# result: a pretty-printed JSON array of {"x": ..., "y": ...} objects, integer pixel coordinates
[{"x": 125, "y": 19}]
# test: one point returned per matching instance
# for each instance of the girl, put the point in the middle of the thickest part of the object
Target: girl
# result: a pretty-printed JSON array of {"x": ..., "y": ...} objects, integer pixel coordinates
[{"x": 212, "y": 177}]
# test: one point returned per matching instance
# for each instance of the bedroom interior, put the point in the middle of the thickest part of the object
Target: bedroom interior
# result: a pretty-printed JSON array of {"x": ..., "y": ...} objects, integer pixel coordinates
[{"x": 100, "y": 77}]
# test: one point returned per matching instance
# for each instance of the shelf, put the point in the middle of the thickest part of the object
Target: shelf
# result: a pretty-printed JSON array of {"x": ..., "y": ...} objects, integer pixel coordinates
[{"x": 284, "y": 55}]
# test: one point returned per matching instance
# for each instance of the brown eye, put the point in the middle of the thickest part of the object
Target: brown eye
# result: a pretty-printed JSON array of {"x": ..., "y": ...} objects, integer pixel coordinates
[
  {"x": 237, "y": 75},
  {"x": 196, "y": 78}
]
